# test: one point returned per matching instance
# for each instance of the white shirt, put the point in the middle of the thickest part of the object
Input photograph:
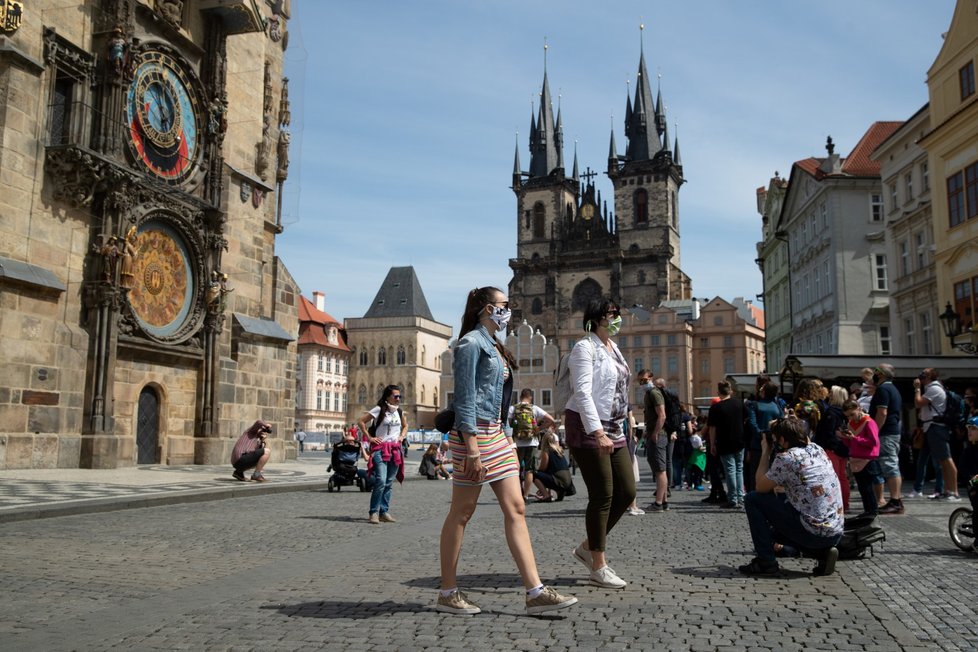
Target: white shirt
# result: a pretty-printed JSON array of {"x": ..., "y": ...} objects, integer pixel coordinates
[
  {"x": 538, "y": 416},
  {"x": 594, "y": 378},
  {"x": 934, "y": 392},
  {"x": 390, "y": 428}
]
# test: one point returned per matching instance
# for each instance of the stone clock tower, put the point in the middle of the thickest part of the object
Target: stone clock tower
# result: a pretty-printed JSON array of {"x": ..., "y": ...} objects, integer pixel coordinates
[
  {"x": 163, "y": 321},
  {"x": 570, "y": 247}
]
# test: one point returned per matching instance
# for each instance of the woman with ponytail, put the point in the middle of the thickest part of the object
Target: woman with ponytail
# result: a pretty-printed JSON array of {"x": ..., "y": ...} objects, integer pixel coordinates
[{"x": 482, "y": 454}]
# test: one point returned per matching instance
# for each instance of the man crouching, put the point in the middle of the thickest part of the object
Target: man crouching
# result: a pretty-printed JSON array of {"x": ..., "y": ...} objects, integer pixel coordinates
[
  {"x": 251, "y": 452},
  {"x": 808, "y": 517}
]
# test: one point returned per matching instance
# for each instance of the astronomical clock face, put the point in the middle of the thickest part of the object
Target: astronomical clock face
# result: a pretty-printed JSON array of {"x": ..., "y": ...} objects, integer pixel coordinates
[
  {"x": 163, "y": 286},
  {"x": 163, "y": 115}
]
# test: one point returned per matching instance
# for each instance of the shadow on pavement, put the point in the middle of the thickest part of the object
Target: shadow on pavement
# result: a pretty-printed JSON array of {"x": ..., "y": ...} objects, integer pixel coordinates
[
  {"x": 353, "y": 609},
  {"x": 338, "y": 519},
  {"x": 715, "y": 572},
  {"x": 476, "y": 580}
]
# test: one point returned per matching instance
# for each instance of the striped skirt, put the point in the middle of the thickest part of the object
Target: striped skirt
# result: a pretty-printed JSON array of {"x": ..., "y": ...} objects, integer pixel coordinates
[{"x": 498, "y": 457}]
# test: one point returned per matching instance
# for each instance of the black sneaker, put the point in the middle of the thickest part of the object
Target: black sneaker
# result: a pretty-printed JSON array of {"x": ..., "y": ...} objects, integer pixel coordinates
[
  {"x": 665, "y": 505},
  {"x": 655, "y": 507},
  {"x": 760, "y": 568},
  {"x": 238, "y": 475}
]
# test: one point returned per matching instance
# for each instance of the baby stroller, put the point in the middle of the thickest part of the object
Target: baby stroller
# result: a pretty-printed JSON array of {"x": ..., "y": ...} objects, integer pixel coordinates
[{"x": 343, "y": 465}]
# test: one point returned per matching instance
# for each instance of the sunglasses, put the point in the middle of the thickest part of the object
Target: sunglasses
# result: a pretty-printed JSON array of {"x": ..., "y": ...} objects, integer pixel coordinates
[
  {"x": 396, "y": 397},
  {"x": 614, "y": 313},
  {"x": 502, "y": 304}
]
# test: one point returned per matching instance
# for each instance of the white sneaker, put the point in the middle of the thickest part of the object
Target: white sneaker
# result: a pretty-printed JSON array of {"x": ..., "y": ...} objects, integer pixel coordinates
[
  {"x": 606, "y": 579},
  {"x": 636, "y": 511},
  {"x": 916, "y": 494}
]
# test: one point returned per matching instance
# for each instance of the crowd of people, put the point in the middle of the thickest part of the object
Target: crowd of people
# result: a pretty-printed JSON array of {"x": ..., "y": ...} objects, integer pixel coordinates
[{"x": 786, "y": 462}]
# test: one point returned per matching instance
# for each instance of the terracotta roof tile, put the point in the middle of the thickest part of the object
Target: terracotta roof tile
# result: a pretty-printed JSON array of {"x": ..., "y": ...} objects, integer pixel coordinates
[
  {"x": 860, "y": 163},
  {"x": 311, "y": 323}
]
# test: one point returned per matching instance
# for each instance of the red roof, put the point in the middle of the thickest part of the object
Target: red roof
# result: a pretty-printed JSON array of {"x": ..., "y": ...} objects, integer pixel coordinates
[
  {"x": 312, "y": 323},
  {"x": 859, "y": 163}
]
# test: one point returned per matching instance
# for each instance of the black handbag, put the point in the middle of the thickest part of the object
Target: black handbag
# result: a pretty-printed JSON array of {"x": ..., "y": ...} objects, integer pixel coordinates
[{"x": 445, "y": 421}]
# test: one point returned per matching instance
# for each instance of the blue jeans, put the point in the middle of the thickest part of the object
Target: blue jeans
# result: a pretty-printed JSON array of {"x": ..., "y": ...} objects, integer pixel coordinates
[
  {"x": 772, "y": 518},
  {"x": 384, "y": 475},
  {"x": 923, "y": 457},
  {"x": 733, "y": 468}
]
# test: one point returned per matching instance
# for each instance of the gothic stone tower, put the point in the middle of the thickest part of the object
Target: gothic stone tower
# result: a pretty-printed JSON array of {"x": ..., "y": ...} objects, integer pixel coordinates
[
  {"x": 151, "y": 321},
  {"x": 570, "y": 249}
]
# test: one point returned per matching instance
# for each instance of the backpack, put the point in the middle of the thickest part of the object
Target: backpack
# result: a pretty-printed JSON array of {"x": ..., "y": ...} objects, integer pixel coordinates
[
  {"x": 562, "y": 384},
  {"x": 955, "y": 412},
  {"x": 372, "y": 430},
  {"x": 674, "y": 413},
  {"x": 524, "y": 425},
  {"x": 859, "y": 535}
]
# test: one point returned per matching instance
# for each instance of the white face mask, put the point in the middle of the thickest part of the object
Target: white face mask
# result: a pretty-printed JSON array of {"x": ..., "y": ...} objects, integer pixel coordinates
[{"x": 500, "y": 317}]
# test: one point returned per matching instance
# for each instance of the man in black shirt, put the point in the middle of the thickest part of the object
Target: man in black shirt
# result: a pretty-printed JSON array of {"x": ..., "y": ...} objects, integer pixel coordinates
[
  {"x": 726, "y": 432},
  {"x": 886, "y": 408}
]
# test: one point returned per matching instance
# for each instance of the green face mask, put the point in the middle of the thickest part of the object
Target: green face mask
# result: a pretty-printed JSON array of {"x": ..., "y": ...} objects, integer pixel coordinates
[{"x": 614, "y": 325}]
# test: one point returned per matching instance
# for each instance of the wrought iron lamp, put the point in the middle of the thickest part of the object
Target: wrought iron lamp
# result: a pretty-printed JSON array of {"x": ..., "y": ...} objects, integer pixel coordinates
[{"x": 951, "y": 322}]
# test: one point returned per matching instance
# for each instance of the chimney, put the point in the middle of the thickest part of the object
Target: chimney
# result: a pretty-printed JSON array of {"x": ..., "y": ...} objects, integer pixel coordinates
[{"x": 320, "y": 300}]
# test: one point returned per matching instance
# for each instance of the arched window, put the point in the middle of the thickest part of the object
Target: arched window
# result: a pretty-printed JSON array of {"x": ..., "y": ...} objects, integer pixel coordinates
[
  {"x": 400, "y": 355},
  {"x": 382, "y": 356},
  {"x": 641, "y": 199},
  {"x": 434, "y": 396},
  {"x": 364, "y": 360},
  {"x": 362, "y": 395},
  {"x": 585, "y": 291},
  {"x": 538, "y": 222},
  {"x": 569, "y": 212},
  {"x": 423, "y": 355},
  {"x": 422, "y": 395},
  {"x": 672, "y": 207},
  {"x": 537, "y": 307}
]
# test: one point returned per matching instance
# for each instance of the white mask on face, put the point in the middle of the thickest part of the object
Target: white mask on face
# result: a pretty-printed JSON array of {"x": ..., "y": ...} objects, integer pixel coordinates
[{"x": 500, "y": 317}]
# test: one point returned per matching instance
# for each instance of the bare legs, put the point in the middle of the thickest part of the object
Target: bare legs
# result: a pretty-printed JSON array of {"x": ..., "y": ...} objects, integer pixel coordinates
[{"x": 464, "y": 500}]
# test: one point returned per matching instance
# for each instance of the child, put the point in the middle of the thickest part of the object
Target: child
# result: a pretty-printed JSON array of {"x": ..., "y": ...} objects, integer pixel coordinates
[
  {"x": 696, "y": 462},
  {"x": 969, "y": 468},
  {"x": 861, "y": 436}
]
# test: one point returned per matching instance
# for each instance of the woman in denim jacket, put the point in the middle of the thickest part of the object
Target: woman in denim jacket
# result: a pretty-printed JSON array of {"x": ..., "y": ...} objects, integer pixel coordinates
[
  {"x": 483, "y": 454},
  {"x": 593, "y": 422}
]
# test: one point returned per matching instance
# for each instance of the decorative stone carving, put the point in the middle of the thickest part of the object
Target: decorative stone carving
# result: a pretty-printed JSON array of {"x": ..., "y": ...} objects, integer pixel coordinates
[
  {"x": 282, "y": 173},
  {"x": 217, "y": 122},
  {"x": 117, "y": 50},
  {"x": 284, "y": 106},
  {"x": 275, "y": 28},
  {"x": 171, "y": 11},
  {"x": 245, "y": 193},
  {"x": 263, "y": 149},
  {"x": 128, "y": 251}
]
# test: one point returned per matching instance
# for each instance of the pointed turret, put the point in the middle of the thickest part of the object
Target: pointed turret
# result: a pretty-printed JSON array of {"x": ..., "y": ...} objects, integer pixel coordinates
[
  {"x": 665, "y": 137},
  {"x": 660, "y": 116},
  {"x": 544, "y": 153},
  {"x": 517, "y": 175},
  {"x": 560, "y": 140},
  {"x": 640, "y": 127},
  {"x": 574, "y": 174},
  {"x": 675, "y": 152},
  {"x": 612, "y": 154}
]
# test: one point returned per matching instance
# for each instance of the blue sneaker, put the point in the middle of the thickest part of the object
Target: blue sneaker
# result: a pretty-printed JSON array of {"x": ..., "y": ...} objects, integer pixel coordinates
[{"x": 699, "y": 487}]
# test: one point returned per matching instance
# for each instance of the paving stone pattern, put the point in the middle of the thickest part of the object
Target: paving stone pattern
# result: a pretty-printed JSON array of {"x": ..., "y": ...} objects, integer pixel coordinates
[{"x": 304, "y": 571}]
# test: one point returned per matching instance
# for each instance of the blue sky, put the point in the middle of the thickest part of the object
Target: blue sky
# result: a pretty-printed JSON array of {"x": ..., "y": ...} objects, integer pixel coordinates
[{"x": 405, "y": 117}]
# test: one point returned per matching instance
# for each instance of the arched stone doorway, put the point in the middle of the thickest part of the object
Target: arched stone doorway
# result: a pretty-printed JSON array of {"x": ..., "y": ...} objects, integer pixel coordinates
[{"x": 148, "y": 427}]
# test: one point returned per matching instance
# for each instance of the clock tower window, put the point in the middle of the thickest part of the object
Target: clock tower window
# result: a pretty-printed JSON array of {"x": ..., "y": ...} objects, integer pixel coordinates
[
  {"x": 641, "y": 206},
  {"x": 538, "y": 221}
]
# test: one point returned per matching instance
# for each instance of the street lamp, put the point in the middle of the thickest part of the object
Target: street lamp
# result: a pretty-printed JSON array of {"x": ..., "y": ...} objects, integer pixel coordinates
[{"x": 951, "y": 322}]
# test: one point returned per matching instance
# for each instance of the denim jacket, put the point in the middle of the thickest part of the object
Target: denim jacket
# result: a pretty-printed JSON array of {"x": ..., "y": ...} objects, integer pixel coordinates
[{"x": 479, "y": 390}]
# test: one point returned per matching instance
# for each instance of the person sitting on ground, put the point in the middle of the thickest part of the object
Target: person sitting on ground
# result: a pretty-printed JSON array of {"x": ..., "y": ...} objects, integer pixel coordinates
[
  {"x": 431, "y": 467},
  {"x": 808, "y": 515},
  {"x": 553, "y": 471},
  {"x": 251, "y": 452}
]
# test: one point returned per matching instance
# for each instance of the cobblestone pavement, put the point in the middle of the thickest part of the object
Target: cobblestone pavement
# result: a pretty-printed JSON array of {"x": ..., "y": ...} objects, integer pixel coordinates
[{"x": 303, "y": 571}]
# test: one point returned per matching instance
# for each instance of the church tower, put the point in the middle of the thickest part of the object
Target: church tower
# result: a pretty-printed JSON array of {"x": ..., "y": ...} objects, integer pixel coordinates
[
  {"x": 570, "y": 247},
  {"x": 647, "y": 181}
]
